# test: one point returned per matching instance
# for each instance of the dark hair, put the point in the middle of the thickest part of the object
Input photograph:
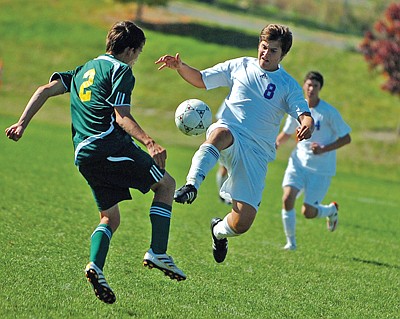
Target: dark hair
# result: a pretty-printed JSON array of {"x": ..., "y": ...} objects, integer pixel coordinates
[
  {"x": 124, "y": 34},
  {"x": 315, "y": 75},
  {"x": 276, "y": 32}
]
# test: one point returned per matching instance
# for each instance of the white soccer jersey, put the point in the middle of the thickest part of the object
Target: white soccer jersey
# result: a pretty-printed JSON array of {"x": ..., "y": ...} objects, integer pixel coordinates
[
  {"x": 258, "y": 99},
  {"x": 329, "y": 126}
]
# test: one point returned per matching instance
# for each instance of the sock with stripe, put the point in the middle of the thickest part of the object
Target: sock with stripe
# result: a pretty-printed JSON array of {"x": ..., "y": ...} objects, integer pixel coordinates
[
  {"x": 203, "y": 161},
  {"x": 99, "y": 245},
  {"x": 160, "y": 217}
]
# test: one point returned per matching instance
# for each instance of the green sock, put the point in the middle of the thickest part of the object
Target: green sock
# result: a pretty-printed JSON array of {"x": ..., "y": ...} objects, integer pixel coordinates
[
  {"x": 160, "y": 216},
  {"x": 100, "y": 242}
]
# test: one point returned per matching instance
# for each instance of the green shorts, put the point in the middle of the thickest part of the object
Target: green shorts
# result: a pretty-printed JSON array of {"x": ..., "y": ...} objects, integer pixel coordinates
[{"x": 110, "y": 179}]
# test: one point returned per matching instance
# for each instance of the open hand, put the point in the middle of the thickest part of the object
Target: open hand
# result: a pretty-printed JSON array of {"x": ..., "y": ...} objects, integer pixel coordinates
[{"x": 169, "y": 61}]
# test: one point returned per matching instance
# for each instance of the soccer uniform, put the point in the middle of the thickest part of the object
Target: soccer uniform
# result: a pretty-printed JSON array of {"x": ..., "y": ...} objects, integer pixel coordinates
[
  {"x": 329, "y": 126},
  {"x": 105, "y": 154},
  {"x": 252, "y": 111}
]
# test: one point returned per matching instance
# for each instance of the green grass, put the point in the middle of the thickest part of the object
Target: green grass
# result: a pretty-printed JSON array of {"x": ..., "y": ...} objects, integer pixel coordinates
[{"x": 48, "y": 213}]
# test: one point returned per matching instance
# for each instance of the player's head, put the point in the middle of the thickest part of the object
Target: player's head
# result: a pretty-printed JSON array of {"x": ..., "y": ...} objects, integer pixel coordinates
[
  {"x": 277, "y": 32},
  {"x": 315, "y": 76},
  {"x": 275, "y": 43},
  {"x": 122, "y": 35},
  {"x": 313, "y": 82}
]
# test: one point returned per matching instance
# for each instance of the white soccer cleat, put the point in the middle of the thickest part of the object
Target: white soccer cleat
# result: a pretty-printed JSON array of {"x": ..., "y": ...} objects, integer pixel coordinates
[
  {"x": 289, "y": 246},
  {"x": 164, "y": 263},
  {"x": 332, "y": 220},
  {"x": 100, "y": 286}
]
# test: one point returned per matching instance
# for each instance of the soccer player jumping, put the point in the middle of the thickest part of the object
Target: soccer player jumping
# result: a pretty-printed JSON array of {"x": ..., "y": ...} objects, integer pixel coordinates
[{"x": 243, "y": 139}]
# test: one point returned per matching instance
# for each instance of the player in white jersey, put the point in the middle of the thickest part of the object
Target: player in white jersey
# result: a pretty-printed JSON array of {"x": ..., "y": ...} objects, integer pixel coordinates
[
  {"x": 243, "y": 139},
  {"x": 313, "y": 162}
]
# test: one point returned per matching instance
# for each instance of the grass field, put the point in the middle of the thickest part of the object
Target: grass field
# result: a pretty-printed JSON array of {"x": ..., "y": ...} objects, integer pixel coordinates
[{"x": 48, "y": 213}]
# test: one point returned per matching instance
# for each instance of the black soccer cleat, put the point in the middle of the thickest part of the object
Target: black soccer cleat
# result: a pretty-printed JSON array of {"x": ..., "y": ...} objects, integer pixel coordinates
[
  {"x": 219, "y": 246},
  {"x": 185, "y": 194}
]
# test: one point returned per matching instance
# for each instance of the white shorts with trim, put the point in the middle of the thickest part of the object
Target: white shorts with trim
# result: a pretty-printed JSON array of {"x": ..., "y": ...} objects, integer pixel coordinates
[
  {"x": 314, "y": 186},
  {"x": 247, "y": 169}
]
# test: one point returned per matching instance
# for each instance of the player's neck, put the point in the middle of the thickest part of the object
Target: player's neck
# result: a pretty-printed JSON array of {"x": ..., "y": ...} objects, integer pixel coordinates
[{"x": 313, "y": 102}]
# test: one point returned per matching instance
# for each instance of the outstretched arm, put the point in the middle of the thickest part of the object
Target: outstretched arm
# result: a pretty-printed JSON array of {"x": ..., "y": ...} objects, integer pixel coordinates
[
  {"x": 188, "y": 73},
  {"x": 15, "y": 131}
]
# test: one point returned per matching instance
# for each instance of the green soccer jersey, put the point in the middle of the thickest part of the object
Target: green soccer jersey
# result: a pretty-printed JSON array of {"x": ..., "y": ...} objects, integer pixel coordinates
[{"x": 96, "y": 88}]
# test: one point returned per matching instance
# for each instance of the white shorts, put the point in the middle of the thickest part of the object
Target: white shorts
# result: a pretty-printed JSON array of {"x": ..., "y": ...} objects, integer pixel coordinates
[
  {"x": 314, "y": 186},
  {"x": 247, "y": 169}
]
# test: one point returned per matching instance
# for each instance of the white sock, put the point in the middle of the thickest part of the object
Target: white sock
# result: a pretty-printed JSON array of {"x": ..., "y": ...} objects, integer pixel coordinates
[
  {"x": 326, "y": 210},
  {"x": 202, "y": 162},
  {"x": 223, "y": 230},
  {"x": 289, "y": 225}
]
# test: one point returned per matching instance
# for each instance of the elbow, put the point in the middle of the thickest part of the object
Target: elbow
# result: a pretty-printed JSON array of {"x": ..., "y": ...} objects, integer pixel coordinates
[
  {"x": 199, "y": 84},
  {"x": 344, "y": 140},
  {"x": 43, "y": 90},
  {"x": 348, "y": 139},
  {"x": 50, "y": 89},
  {"x": 42, "y": 93}
]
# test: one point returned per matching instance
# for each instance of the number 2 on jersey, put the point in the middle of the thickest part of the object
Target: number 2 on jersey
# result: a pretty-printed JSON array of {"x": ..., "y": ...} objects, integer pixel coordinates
[
  {"x": 84, "y": 94},
  {"x": 269, "y": 92}
]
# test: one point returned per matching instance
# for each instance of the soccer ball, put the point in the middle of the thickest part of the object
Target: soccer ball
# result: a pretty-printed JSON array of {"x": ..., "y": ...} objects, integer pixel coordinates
[{"x": 193, "y": 117}]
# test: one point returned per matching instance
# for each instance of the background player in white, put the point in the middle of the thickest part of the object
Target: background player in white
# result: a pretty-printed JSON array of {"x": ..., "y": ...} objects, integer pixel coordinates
[
  {"x": 313, "y": 162},
  {"x": 261, "y": 93}
]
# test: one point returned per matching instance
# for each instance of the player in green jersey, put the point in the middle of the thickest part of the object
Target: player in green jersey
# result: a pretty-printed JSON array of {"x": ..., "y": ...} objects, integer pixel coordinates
[{"x": 105, "y": 153}]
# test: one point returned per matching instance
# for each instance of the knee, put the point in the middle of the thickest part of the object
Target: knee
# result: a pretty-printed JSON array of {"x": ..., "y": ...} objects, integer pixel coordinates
[
  {"x": 221, "y": 138},
  {"x": 288, "y": 201},
  {"x": 113, "y": 220},
  {"x": 167, "y": 183}
]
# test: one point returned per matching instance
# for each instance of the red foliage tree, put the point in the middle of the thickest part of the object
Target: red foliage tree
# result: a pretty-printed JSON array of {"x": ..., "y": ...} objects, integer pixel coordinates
[{"x": 381, "y": 48}]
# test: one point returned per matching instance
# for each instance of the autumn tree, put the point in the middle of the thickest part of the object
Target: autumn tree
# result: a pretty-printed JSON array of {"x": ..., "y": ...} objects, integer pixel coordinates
[{"x": 381, "y": 48}]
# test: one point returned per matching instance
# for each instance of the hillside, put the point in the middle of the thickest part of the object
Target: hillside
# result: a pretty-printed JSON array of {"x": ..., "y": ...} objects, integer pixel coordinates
[{"x": 31, "y": 52}]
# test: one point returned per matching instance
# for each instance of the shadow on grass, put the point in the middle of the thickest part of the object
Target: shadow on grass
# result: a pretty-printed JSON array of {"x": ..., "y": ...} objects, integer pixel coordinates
[
  {"x": 221, "y": 36},
  {"x": 374, "y": 263}
]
